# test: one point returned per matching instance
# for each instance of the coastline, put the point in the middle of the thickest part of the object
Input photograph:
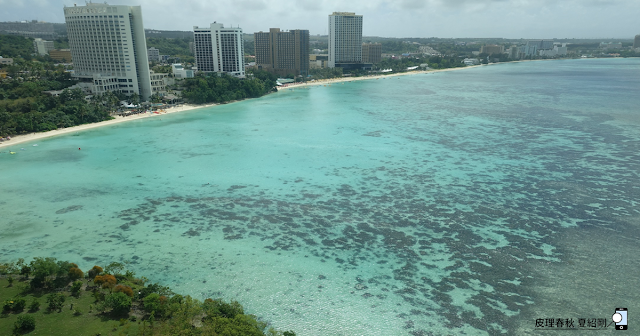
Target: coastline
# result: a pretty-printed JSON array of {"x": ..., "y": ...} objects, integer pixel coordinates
[
  {"x": 18, "y": 139},
  {"x": 350, "y": 79},
  {"x": 22, "y": 138}
]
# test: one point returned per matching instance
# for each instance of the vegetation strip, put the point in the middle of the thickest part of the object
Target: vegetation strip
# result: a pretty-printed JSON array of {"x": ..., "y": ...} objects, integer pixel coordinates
[{"x": 51, "y": 297}]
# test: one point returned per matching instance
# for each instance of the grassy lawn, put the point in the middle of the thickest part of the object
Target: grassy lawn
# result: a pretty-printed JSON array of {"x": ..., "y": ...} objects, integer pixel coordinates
[{"x": 63, "y": 323}]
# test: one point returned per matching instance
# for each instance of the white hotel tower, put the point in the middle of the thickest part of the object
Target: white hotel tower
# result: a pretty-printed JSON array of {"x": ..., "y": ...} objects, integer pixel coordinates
[
  {"x": 345, "y": 39},
  {"x": 108, "y": 48},
  {"x": 219, "y": 49}
]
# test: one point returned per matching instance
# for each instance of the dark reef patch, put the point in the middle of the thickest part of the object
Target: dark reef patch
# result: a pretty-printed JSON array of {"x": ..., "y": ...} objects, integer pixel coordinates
[{"x": 69, "y": 209}]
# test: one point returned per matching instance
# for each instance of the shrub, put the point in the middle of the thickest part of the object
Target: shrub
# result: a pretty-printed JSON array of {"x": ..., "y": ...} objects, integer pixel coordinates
[
  {"x": 77, "y": 312},
  {"x": 10, "y": 279},
  {"x": 152, "y": 303},
  {"x": 75, "y": 288},
  {"x": 19, "y": 304},
  {"x": 75, "y": 273},
  {"x": 25, "y": 270},
  {"x": 119, "y": 302},
  {"x": 34, "y": 306},
  {"x": 219, "y": 308},
  {"x": 55, "y": 301},
  {"x": 124, "y": 289},
  {"x": 107, "y": 280},
  {"x": 24, "y": 323},
  {"x": 93, "y": 272},
  {"x": 7, "y": 306}
]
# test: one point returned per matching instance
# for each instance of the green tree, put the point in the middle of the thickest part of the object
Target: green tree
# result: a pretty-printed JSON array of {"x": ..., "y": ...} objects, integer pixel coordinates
[
  {"x": 43, "y": 269},
  {"x": 118, "y": 302},
  {"x": 55, "y": 301},
  {"x": 75, "y": 288},
  {"x": 24, "y": 324},
  {"x": 114, "y": 268}
]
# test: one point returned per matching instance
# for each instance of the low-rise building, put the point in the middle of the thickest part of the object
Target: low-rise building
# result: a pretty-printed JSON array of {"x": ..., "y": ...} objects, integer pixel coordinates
[
  {"x": 318, "y": 61},
  {"x": 6, "y": 61},
  {"x": 180, "y": 72},
  {"x": 471, "y": 61},
  {"x": 158, "y": 82},
  {"x": 61, "y": 55}
]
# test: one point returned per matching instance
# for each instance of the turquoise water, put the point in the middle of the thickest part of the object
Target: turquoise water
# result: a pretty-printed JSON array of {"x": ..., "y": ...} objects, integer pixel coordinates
[{"x": 465, "y": 202}]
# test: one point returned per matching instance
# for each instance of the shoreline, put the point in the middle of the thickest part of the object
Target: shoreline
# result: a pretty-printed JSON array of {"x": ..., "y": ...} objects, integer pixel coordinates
[
  {"x": 18, "y": 139},
  {"x": 22, "y": 138},
  {"x": 374, "y": 77}
]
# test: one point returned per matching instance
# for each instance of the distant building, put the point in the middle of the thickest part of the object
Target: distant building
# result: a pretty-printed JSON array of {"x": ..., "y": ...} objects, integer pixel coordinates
[
  {"x": 61, "y": 55},
  {"x": 528, "y": 50},
  {"x": 345, "y": 41},
  {"x": 636, "y": 42},
  {"x": 371, "y": 53},
  {"x": 33, "y": 29},
  {"x": 318, "y": 61},
  {"x": 492, "y": 49},
  {"x": 611, "y": 45},
  {"x": 556, "y": 51},
  {"x": 6, "y": 61},
  {"x": 180, "y": 72},
  {"x": 540, "y": 44},
  {"x": 42, "y": 47},
  {"x": 471, "y": 61},
  {"x": 219, "y": 49},
  {"x": 283, "y": 52},
  {"x": 153, "y": 54},
  {"x": 514, "y": 52},
  {"x": 427, "y": 50},
  {"x": 109, "y": 48}
]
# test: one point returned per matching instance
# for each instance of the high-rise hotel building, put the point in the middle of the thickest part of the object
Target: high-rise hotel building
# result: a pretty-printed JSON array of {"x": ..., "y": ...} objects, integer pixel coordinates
[
  {"x": 108, "y": 48},
  {"x": 219, "y": 49},
  {"x": 345, "y": 40},
  {"x": 283, "y": 52}
]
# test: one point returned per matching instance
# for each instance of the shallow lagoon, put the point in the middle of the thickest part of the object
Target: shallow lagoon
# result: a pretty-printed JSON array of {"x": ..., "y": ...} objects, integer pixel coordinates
[{"x": 471, "y": 201}]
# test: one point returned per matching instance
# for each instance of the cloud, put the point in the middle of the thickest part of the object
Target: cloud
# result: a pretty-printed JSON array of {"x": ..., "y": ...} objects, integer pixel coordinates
[{"x": 399, "y": 18}]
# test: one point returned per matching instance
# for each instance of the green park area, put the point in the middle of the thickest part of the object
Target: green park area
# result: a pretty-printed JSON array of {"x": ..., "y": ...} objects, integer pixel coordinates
[{"x": 50, "y": 297}]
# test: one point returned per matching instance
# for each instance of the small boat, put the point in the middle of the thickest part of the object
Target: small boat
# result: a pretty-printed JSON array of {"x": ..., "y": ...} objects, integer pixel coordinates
[
  {"x": 12, "y": 152},
  {"x": 36, "y": 145}
]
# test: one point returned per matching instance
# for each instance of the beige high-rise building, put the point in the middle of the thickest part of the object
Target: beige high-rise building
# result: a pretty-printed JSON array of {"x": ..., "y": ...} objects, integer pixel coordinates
[
  {"x": 371, "y": 53},
  {"x": 283, "y": 52},
  {"x": 492, "y": 49},
  {"x": 636, "y": 42}
]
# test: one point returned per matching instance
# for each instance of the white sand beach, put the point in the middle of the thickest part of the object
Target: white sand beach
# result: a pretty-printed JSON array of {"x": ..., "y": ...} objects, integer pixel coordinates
[
  {"x": 375, "y": 77},
  {"x": 18, "y": 139}
]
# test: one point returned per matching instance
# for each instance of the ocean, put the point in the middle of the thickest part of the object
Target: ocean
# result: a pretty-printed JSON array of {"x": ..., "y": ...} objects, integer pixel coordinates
[{"x": 475, "y": 202}]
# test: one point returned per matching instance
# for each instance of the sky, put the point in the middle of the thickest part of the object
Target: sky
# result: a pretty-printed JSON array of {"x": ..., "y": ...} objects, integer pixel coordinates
[{"x": 386, "y": 18}]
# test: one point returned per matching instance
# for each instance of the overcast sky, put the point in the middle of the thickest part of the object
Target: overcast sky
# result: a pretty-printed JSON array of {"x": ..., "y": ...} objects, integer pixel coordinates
[{"x": 388, "y": 18}]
